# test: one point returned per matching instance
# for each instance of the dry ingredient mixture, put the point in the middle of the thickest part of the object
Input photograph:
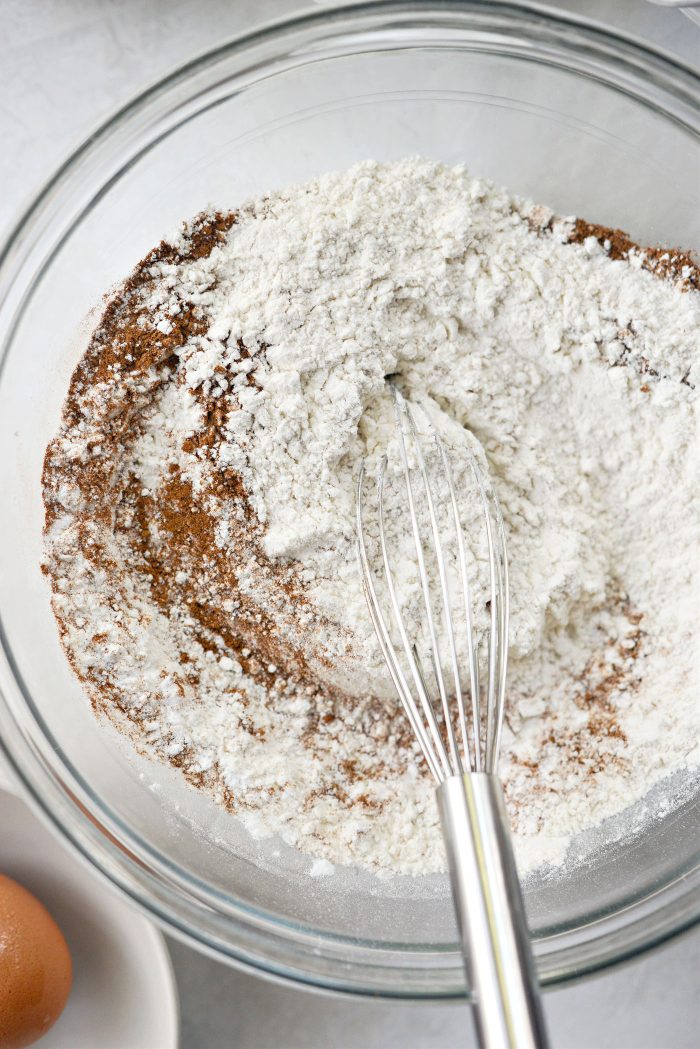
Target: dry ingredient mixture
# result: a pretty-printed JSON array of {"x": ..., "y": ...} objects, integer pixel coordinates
[{"x": 200, "y": 502}]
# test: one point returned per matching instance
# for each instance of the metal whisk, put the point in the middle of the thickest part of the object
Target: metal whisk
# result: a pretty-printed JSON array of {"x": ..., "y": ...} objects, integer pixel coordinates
[{"x": 485, "y": 887}]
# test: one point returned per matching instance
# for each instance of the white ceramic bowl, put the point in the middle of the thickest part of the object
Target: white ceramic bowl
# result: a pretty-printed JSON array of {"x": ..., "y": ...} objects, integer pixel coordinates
[{"x": 123, "y": 990}]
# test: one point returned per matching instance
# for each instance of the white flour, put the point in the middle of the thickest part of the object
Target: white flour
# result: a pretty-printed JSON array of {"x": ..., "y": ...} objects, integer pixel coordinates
[{"x": 577, "y": 376}]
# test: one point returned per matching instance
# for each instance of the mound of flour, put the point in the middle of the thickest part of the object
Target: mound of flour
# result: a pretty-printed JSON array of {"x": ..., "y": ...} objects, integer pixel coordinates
[{"x": 573, "y": 374}]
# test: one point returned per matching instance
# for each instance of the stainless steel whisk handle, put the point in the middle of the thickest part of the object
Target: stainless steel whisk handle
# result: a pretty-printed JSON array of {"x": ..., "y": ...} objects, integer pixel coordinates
[{"x": 490, "y": 913}]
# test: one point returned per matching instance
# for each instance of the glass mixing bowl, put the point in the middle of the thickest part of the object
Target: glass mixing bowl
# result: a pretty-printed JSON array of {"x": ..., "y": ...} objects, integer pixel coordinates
[{"x": 559, "y": 110}]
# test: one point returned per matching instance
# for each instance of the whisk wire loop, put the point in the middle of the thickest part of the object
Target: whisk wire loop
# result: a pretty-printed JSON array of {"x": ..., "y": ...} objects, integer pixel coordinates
[
  {"x": 504, "y": 605},
  {"x": 477, "y": 749},
  {"x": 472, "y": 644},
  {"x": 406, "y": 421},
  {"x": 432, "y": 748}
]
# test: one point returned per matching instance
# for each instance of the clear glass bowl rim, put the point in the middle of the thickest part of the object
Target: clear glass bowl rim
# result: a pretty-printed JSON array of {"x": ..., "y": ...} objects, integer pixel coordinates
[{"x": 236, "y": 932}]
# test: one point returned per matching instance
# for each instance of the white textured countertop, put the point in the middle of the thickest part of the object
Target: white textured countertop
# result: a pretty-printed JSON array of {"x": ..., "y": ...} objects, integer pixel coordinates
[{"x": 64, "y": 65}]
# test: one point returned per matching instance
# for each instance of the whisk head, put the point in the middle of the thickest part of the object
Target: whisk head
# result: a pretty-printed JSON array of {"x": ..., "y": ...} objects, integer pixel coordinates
[{"x": 456, "y": 717}]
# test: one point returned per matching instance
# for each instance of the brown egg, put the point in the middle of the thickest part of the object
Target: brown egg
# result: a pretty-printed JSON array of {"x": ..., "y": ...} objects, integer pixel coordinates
[{"x": 35, "y": 967}]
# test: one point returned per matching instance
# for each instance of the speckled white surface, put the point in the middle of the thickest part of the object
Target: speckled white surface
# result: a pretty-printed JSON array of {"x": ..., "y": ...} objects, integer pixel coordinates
[{"x": 64, "y": 65}]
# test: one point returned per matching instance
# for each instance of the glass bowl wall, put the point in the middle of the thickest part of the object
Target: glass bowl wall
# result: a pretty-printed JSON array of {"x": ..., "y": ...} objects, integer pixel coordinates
[{"x": 557, "y": 110}]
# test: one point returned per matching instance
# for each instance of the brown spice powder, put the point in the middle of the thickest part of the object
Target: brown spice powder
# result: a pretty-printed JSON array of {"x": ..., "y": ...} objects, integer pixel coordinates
[{"x": 666, "y": 263}]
